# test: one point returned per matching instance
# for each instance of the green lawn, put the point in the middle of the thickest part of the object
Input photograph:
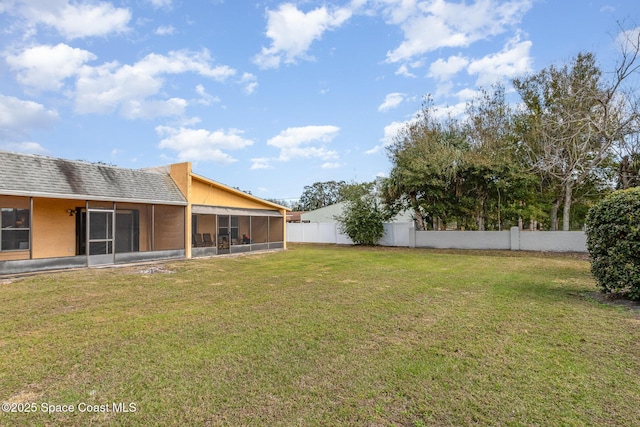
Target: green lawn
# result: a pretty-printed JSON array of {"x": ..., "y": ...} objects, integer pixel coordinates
[{"x": 321, "y": 335}]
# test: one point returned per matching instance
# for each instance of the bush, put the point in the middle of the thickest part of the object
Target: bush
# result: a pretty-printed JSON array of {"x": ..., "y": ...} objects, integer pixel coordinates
[
  {"x": 613, "y": 241},
  {"x": 361, "y": 220}
]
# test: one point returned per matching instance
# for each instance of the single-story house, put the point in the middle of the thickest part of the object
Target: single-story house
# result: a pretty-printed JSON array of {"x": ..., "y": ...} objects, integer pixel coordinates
[
  {"x": 328, "y": 214},
  {"x": 57, "y": 213}
]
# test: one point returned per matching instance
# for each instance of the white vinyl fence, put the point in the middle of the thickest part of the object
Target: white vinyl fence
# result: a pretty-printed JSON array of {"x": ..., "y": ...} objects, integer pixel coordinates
[{"x": 404, "y": 234}]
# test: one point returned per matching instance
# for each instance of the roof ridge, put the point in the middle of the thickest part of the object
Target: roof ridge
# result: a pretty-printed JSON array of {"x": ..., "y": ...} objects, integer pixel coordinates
[{"x": 84, "y": 162}]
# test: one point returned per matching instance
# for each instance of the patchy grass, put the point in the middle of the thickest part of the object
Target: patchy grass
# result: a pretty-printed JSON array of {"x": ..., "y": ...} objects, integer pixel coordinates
[{"x": 321, "y": 335}]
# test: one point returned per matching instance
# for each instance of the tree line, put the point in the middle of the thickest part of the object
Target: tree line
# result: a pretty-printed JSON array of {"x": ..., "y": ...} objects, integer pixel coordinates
[{"x": 541, "y": 162}]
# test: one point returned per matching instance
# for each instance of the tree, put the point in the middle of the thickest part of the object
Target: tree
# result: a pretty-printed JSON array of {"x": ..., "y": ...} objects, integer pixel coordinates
[
  {"x": 560, "y": 144},
  {"x": 458, "y": 169},
  {"x": 426, "y": 156},
  {"x": 629, "y": 160},
  {"x": 493, "y": 172},
  {"x": 282, "y": 202},
  {"x": 572, "y": 119},
  {"x": 629, "y": 172},
  {"x": 628, "y": 148},
  {"x": 362, "y": 217},
  {"x": 320, "y": 194}
]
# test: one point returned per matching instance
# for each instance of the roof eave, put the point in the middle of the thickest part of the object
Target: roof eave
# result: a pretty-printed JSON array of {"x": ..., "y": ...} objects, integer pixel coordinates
[{"x": 90, "y": 197}]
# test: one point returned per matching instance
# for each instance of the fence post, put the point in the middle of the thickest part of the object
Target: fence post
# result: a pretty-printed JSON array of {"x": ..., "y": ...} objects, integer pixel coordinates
[
  {"x": 515, "y": 238},
  {"x": 412, "y": 235}
]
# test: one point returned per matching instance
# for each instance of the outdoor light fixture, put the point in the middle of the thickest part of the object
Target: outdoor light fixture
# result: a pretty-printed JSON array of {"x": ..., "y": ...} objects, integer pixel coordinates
[{"x": 71, "y": 212}]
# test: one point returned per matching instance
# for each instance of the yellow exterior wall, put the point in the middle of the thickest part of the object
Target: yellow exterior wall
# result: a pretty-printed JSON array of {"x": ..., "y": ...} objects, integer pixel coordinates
[
  {"x": 14, "y": 202},
  {"x": 53, "y": 231},
  {"x": 181, "y": 175},
  {"x": 212, "y": 194},
  {"x": 13, "y": 255}
]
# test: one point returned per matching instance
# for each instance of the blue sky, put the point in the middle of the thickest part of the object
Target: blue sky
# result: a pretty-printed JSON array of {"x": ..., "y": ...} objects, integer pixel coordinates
[{"x": 267, "y": 96}]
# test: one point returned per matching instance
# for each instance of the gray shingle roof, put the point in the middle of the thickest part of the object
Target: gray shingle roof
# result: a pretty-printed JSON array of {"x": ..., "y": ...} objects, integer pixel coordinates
[{"x": 27, "y": 174}]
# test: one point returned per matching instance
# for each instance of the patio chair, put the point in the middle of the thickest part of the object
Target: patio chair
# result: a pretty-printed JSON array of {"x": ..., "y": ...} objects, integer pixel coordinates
[
  {"x": 207, "y": 239},
  {"x": 197, "y": 240}
]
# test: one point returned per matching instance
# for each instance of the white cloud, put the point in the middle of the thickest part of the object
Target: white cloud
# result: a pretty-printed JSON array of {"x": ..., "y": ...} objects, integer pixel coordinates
[
  {"x": 424, "y": 34},
  {"x": 7, "y": 6},
  {"x": 110, "y": 87},
  {"x": 390, "y": 132},
  {"x": 403, "y": 70},
  {"x": 189, "y": 121},
  {"x": 297, "y": 142},
  {"x": 148, "y": 109},
  {"x": 428, "y": 26},
  {"x": 45, "y": 67},
  {"x": 445, "y": 69},
  {"x": 76, "y": 20},
  {"x": 160, "y": 3},
  {"x": 205, "y": 98},
  {"x": 250, "y": 83},
  {"x": 456, "y": 110},
  {"x": 628, "y": 40},
  {"x": 331, "y": 165},
  {"x": 182, "y": 61},
  {"x": 261, "y": 163},
  {"x": 130, "y": 89},
  {"x": 399, "y": 11},
  {"x": 443, "y": 89},
  {"x": 292, "y": 32},
  {"x": 165, "y": 30},
  {"x": 105, "y": 88},
  {"x": 393, "y": 129},
  {"x": 514, "y": 60},
  {"x": 392, "y": 100},
  {"x": 374, "y": 150},
  {"x": 467, "y": 94},
  {"x": 201, "y": 144},
  {"x": 17, "y": 117},
  {"x": 24, "y": 147}
]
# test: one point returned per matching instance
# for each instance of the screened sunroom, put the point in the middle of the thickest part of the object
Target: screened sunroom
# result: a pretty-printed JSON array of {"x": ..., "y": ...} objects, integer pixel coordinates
[{"x": 219, "y": 230}]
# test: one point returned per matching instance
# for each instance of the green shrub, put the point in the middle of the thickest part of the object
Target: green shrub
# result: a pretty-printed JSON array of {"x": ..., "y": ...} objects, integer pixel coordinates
[
  {"x": 361, "y": 220},
  {"x": 613, "y": 241}
]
